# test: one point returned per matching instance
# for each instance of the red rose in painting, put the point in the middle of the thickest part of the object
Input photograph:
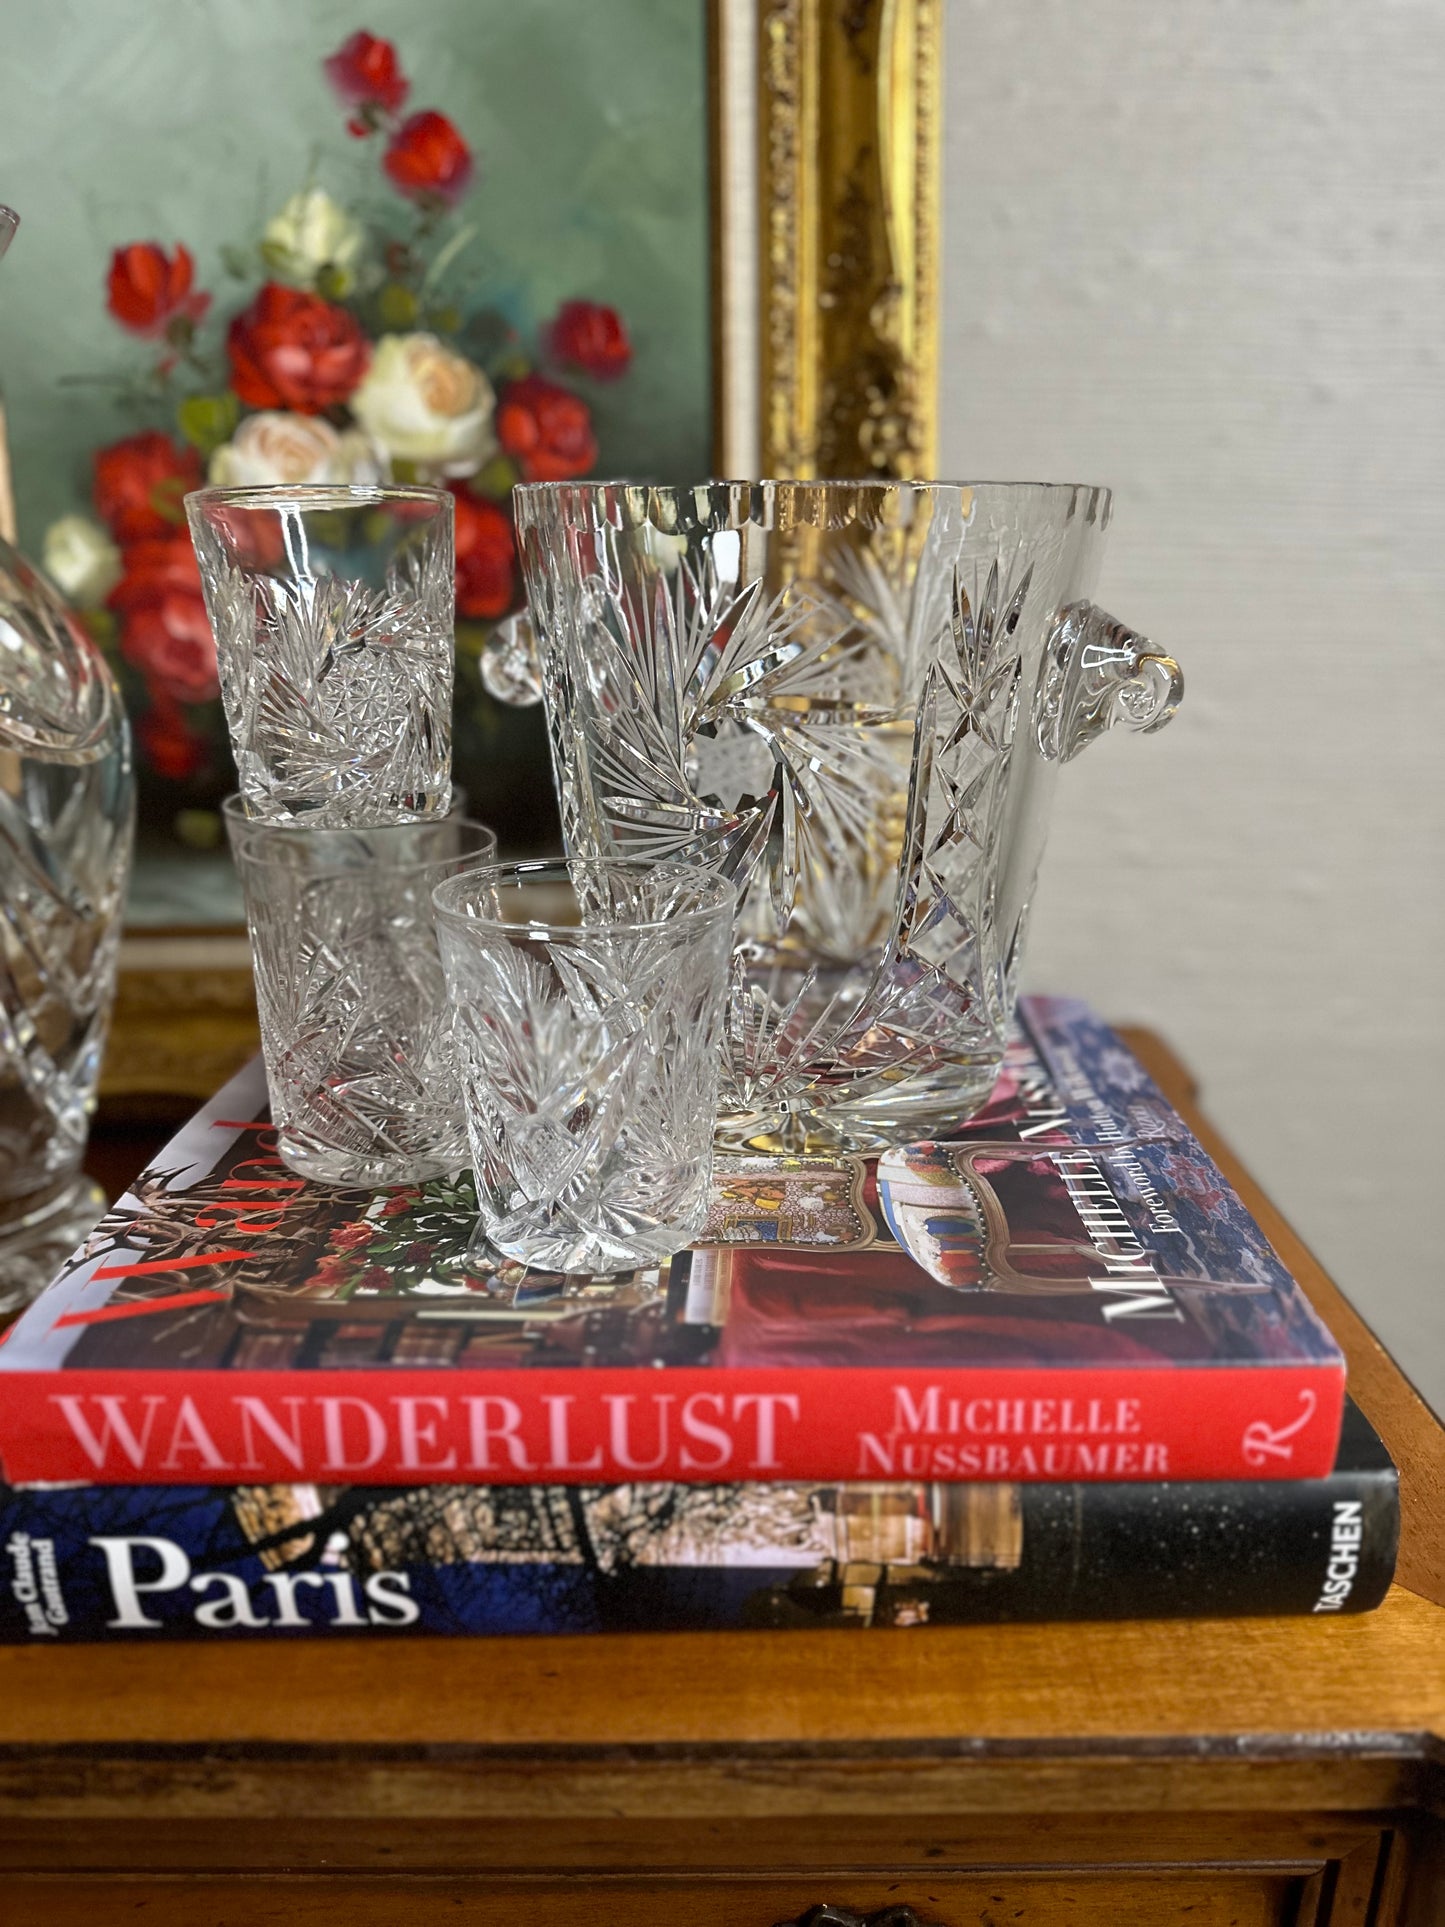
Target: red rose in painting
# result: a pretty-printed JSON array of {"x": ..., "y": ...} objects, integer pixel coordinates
[
  {"x": 164, "y": 632},
  {"x": 139, "y": 483},
  {"x": 427, "y": 160},
  {"x": 170, "y": 643},
  {"x": 147, "y": 289},
  {"x": 486, "y": 556},
  {"x": 291, "y": 349},
  {"x": 352, "y": 1236},
  {"x": 168, "y": 745},
  {"x": 546, "y": 430},
  {"x": 366, "y": 73},
  {"x": 591, "y": 337},
  {"x": 254, "y": 537}
]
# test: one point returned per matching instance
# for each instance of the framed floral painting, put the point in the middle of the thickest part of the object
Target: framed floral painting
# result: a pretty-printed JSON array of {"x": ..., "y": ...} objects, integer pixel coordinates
[
  {"x": 458, "y": 241},
  {"x": 271, "y": 245}
]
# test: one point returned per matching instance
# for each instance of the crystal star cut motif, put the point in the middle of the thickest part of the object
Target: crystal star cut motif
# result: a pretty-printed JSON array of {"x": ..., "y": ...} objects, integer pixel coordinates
[{"x": 738, "y": 737}]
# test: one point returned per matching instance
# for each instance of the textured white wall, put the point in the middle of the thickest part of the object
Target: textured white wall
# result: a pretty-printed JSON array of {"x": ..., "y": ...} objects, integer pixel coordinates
[{"x": 1197, "y": 251}]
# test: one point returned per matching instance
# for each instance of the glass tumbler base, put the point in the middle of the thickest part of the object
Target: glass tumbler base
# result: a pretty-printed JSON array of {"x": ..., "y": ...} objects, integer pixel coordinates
[
  {"x": 574, "y": 1249},
  {"x": 38, "y": 1234},
  {"x": 355, "y": 1171}
]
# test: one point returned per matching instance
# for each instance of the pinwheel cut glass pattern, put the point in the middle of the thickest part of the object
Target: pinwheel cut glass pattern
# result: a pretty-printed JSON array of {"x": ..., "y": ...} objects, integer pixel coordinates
[
  {"x": 849, "y": 698},
  {"x": 588, "y": 1054},
  {"x": 332, "y": 609},
  {"x": 355, "y": 1023}
]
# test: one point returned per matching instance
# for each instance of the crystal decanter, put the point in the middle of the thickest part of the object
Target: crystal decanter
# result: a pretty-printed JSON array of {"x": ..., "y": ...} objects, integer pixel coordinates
[{"x": 67, "y": 816}]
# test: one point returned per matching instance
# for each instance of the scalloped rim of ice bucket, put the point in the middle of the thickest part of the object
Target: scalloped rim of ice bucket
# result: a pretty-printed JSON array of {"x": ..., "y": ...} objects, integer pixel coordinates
[{"x": 1099, "y": 494}]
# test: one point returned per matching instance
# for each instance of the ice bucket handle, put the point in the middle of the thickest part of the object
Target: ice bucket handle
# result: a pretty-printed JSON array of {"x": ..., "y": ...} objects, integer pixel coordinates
[
  {"x": 1098, "y": 673},
  {"x": 510, "y": 669}
]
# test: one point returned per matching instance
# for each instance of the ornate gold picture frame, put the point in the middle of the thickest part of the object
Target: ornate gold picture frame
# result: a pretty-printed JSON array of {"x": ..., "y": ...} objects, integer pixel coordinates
[
  {"x": 824, "y": 207},
  {"x": 825, "y": 247}
]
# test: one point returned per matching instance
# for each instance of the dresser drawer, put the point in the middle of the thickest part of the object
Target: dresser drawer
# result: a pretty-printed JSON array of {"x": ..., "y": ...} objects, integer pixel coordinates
[{"x": 1224, "y": 1898}]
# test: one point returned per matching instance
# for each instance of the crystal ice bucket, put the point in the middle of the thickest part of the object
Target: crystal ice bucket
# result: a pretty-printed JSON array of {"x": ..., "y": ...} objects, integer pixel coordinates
[{"x": 852, "y": 699}]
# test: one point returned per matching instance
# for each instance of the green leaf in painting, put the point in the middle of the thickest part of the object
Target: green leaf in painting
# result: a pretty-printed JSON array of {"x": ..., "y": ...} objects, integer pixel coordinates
[
  {"x": 198, "y": 829},
  {"x": 207, "y": 421},
  {"x": 100, "y": 625},
  {"x": 167, "y": 499},
  {"x": 444, "y": 256},
  {"x": 398, "y": 307},
  {"x": 496, "y": 478},
  {"x": 485, "y": 336}
]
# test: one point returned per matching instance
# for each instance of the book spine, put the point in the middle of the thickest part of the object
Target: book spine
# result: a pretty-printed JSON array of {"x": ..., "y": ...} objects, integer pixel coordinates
[
  {"x": 696, "y": 1425},
  {"x": 114, "y": 1562},
  {"x": 690, "y": 1425}
]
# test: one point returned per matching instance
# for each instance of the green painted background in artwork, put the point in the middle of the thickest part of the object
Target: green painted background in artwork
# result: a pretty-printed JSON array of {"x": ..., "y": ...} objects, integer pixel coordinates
[{"x": 192, "y": 120}]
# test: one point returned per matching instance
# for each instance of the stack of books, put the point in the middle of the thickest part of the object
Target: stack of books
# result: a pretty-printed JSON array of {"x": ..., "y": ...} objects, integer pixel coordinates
[{"x": 1046, "y": 1369}]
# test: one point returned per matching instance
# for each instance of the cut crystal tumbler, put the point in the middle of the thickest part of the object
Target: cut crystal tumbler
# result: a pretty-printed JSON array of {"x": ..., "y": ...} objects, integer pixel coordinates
[
  {"x": 67, "y": 809},
  {"x": 349, "y": 987},
  {"x": 588, "y": 1030},
  {"x": 853, "y": 699},
  {"x": 333, "y": 615}
]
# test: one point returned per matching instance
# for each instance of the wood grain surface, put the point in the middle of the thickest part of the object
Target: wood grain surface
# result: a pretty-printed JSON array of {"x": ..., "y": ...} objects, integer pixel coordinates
[
  {"x": 1237, "y": 1897},
  {"x": 1380, "y": 1673}
]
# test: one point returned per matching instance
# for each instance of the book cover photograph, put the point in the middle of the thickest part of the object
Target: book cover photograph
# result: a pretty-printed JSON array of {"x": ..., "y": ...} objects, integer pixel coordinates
[
  {"x": 177, "y": 1562},
  {"x": 1068, "y": 1290}
]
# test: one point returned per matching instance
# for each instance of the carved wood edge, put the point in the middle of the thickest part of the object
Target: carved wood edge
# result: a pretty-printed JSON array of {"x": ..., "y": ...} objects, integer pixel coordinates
[
  {"x": 1389, "y": 1765},
  {"x": 827, "y": 1916},
  {"x": 847, "y": 1795},
  {"x": 1410, "y": 1429},
  {"x": 159, "y": 1829}
]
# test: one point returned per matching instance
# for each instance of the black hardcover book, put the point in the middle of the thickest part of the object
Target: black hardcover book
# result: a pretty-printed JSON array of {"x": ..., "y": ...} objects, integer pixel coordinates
[{"x": 158, "y": 1562}]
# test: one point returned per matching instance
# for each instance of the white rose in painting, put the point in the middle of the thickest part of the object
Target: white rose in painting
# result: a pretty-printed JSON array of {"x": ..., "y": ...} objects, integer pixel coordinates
[
  {"x": 81, "y": 560},
  {"x": 356, "y": 460},
  {"x": 311, "y": 233},
  {"x": 422, "y": 402},
  {"x": 275, "y": 448}
]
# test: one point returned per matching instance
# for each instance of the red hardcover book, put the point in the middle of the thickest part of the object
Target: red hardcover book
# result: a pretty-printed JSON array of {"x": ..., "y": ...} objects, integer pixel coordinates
[{"x": 1066, "y": 1289}]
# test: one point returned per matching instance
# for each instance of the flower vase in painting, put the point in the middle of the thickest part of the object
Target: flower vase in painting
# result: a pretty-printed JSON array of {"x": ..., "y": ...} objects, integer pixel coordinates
[{"x": 359, "y": 345}]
